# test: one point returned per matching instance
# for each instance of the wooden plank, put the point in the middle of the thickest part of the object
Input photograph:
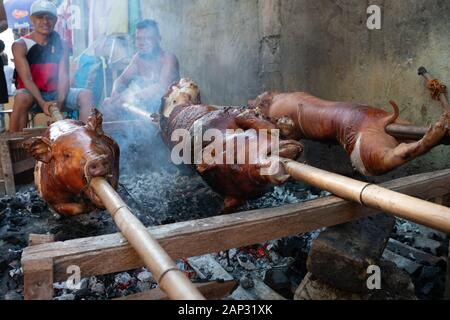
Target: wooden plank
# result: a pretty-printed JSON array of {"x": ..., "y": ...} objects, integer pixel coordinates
[
  {"x": 38, "y": 279},
  {"x": 8, "y": 174},
  {"x": 37, "y": 239},
  {"x": 196, "y": 238},
  {"x": 211, "y": 291},
  {"x": 35, "y": 132}
]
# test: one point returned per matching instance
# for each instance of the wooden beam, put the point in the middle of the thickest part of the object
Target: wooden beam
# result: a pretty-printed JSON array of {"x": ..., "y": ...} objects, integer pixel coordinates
[
  {"x": 38, "y": 239},
  {"x": 111, "y": 253},
  {"x": 38, "y": 280},
  {"x": 211, "y": 291},
  {"x": 7, "y": 167}
]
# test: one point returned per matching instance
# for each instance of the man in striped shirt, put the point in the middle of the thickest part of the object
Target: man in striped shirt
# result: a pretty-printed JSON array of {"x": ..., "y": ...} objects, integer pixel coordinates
[{"x": 42, "y": 64}]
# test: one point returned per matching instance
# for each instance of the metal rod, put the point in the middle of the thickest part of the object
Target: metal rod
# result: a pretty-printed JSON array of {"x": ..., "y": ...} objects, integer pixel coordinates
[
  {"x": 170, "y": 279},
  {"x": 410, "y": 132},
  {"x": 394, "y": 203}
]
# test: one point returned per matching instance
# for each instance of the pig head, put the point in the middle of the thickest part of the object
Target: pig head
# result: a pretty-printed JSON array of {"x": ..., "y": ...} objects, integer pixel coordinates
[
  {"x": 359, "y": 128},
  {"x": 69, "y": 155}
]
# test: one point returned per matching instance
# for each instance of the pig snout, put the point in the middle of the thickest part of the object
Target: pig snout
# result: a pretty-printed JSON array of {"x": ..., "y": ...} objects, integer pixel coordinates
[{"x": 98, "y": 167}]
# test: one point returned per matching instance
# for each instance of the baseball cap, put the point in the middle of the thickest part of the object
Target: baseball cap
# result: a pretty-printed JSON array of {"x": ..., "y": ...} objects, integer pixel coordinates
[{"x": 42, "y": 7}]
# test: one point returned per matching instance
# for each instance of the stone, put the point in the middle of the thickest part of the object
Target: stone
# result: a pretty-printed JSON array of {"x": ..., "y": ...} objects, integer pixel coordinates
[
  {"x": 312, "y": 288},
  {"x": 341, "y": 255},
  {"x": 245, "y": 262},
  {"x": 207, "y": 268},
  {"x": 414, "y": 254},
  {"x": 278, "y": 280},
  {"x": 123, "y": 280},
  {"x": 13, "y": 296},
  {"x": 395, "y": 285},
  {"x": 429, "y": 245},
  {"x": 429, "y": 272},
  {"x": 145, "y": 276},
  {"x": 401, "y": 262},
  {"x": 246, "y": 283}
]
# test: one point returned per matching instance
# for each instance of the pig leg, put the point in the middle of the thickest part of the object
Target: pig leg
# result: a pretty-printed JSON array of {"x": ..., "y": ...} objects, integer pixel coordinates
[
  {"x": 387, "y": 158},
  {"x": 231, "y": 204},
  {"x": 70, "y": 209}
]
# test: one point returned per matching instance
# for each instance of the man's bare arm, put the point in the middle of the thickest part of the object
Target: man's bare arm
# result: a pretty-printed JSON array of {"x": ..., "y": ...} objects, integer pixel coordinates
[
  {"x": 63, "y": 77},
  {"x": 3, "y": 18},
  {"x": 19, "y": 50},
  {"x": 122, "y": 82}
]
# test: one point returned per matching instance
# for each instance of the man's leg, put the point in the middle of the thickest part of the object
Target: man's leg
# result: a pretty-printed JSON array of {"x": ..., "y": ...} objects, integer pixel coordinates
[
  {"x": 23, "y": 101},
  {"x": 82, "y": 100}
]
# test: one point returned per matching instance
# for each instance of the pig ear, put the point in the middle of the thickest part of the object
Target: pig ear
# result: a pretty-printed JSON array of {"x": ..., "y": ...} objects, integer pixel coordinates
[
  {"x": 95, "y": 122},
  {"x": 40, "y": 148}
]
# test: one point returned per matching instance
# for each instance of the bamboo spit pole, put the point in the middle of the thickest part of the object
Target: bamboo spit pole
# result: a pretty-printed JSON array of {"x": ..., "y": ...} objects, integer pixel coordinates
[
  {"x": 56, "y": 113},
  {"x": 370, "y": 195},
  {"x": 170, "y": 279}
]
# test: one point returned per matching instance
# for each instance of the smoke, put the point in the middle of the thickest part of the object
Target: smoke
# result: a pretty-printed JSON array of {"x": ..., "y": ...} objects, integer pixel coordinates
[{"x": 98, "y": 66}]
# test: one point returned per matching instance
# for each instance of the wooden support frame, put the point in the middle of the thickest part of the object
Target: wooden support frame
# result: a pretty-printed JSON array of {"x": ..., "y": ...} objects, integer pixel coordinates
[
  {"x": 211, "y": 291},
  {"x": 111, "y": 253},
  {"x": 7, "y": 173}
]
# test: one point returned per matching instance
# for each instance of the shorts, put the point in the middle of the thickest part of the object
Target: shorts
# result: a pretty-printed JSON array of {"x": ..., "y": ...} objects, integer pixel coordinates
[{"x": 70, "y": 104}]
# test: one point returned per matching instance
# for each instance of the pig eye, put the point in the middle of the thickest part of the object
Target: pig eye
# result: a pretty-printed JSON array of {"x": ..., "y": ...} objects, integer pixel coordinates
[{"x": 66, "y": 155}]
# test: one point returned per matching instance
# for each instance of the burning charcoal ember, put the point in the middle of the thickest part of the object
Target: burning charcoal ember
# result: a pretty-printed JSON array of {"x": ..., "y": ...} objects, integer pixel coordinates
[{"x": 123, "y": 281}]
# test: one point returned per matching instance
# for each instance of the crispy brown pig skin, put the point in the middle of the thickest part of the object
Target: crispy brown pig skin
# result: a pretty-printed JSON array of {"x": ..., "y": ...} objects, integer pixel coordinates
[
  {"x": 69, "y": 155},
  {"x": 359, "y": 128}
]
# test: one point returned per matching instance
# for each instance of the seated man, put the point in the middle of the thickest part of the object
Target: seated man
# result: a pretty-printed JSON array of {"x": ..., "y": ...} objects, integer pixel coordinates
[
  {"x": 147, "y": 78},
  {"x": 42, "y": 64}
]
